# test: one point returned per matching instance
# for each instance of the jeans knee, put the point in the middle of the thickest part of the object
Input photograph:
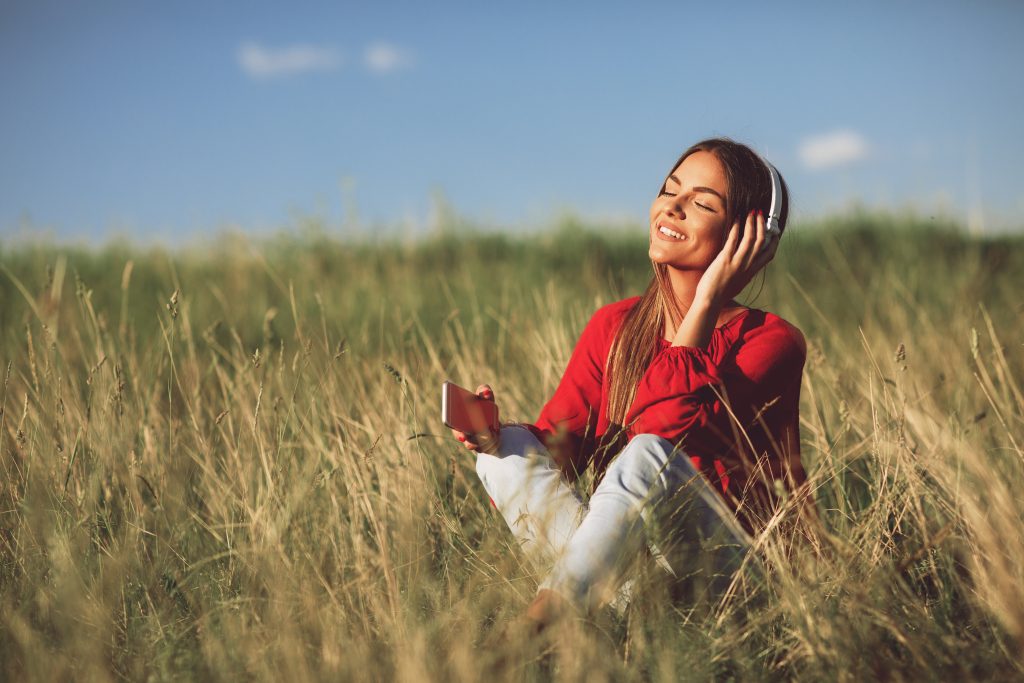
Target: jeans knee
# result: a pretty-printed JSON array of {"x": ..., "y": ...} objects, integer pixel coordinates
[
  {"x": 649, "y": 442},
  {"x": 644, "y": 457},
  {"x": 518, "y": 440}
]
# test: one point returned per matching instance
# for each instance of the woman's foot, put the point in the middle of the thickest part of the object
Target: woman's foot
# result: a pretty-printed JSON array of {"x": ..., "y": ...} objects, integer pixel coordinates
[
  {"x": 546, "y": 608},
  {"x": 523, "y": 640}
]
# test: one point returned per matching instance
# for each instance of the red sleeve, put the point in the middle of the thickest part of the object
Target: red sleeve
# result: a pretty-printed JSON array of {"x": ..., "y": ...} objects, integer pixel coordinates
[
  {"x": 568, "y": 421},
  {"x": 680, "y": 397}
]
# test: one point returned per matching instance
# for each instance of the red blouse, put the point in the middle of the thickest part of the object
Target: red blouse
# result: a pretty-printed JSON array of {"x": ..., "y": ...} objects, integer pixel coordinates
[{"x": 733, "y": 406}]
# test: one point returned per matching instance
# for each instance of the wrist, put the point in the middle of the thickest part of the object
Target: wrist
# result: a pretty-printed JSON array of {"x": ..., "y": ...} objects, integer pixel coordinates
[
  {"x": 708, "y": 301},
  {"x": 698, "y": 323}
]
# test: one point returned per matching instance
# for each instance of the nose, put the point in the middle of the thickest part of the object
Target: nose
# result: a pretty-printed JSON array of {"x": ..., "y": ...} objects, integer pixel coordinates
[{"x": 675, "y": 208}]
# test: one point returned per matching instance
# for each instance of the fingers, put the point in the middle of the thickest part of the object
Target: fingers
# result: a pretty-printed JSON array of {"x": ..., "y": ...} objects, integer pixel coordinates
[
  {"x": 481, "y": 442},
  {"x": 765, "y": 257},
  {"x": 749, "y": 234},
  {"x": 759, "y": 240},
  {"x": 465, "y": 439},
  {"x": 731, "y": 239},
  {"x": 469, "y": 441},
  {"x": 475, "y": 442},
  {"x": 754, "y": 238},
  {"x": 757, "y": 233},
  {"x": 484, "y": 391}
]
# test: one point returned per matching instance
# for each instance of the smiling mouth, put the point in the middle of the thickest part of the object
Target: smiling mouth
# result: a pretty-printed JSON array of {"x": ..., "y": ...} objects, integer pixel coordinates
[{"x": 670, "y": 233}]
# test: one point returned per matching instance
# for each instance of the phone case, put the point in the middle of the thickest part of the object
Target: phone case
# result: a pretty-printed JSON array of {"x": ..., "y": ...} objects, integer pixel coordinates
[{"x": 463, "y": 410}]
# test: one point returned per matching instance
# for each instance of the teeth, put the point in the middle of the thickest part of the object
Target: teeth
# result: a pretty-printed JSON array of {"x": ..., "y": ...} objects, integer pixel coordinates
[{"x": 671, "y": 233}]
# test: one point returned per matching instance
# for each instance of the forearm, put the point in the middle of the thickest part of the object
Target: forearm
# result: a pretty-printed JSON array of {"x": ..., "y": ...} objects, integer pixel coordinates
[{"x": 698, "y": 323}]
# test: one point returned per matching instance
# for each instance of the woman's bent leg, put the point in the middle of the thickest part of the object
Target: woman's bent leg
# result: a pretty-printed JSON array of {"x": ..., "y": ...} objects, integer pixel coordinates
[
  {"x": 529, "y": 491},
  {"x": 645, "y": 476}
]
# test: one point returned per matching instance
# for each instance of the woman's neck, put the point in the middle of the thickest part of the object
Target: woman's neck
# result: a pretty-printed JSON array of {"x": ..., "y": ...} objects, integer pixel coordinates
[{"x": 684, "y": 287}]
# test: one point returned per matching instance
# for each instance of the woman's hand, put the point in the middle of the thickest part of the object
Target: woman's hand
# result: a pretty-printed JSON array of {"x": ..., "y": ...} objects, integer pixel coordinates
[
  {"x": 737, "y": 263},
  {"x": 731, "y": 271},
  {"x": 489, "y": 443}
]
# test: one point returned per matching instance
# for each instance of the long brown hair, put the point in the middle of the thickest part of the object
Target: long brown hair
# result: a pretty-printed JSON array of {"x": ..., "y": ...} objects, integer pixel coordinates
[{"x": 636, "y": 341}]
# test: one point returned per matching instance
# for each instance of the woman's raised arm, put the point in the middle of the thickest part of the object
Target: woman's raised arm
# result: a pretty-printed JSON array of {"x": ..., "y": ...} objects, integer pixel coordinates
[{"x": 683, "y": 392}]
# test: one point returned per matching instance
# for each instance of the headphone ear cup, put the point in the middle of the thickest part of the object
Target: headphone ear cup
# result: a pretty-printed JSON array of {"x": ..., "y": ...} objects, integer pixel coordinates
[
  {"x": 771, "y": 233},
  {"x": 778, "y": 193}
]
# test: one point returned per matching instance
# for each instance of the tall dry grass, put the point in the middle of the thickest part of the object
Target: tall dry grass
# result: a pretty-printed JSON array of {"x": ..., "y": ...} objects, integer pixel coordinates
[{"x": 227, "y": 462}]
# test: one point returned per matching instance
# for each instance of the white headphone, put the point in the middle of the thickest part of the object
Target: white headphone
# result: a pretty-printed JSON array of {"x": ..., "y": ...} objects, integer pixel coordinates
[{"x": 771, "y": 226}]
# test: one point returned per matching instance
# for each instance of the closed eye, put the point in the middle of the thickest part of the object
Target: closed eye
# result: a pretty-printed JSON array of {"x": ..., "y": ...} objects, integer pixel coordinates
[{"x": 706, "y": 208}]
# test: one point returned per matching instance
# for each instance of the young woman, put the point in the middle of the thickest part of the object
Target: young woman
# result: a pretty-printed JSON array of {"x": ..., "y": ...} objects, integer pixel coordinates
[{"x": 682, "y": 400}]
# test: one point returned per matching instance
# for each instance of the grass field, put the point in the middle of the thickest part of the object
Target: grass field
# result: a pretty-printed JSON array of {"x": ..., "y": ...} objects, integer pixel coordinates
[{"x": 226, "y": 462}]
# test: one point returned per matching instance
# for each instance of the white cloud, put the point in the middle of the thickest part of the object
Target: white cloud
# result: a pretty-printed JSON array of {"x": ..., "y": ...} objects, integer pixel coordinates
[
  {"x": 263, "y": 62},
  {"x": 837, "y": 148},
  {"x": 384, "y": 58}
]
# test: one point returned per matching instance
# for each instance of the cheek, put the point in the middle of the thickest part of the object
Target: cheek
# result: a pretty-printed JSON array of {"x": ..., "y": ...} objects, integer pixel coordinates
[
  {"x": 710, "y": 240},
  {"x": 714, "y": 231},
  {"x": 722, "y": 228},
  {"x": 718, "y": 240}
]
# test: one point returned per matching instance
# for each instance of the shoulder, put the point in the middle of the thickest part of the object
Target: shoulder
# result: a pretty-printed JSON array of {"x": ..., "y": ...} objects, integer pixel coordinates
[
  {"x": 787, "y": 332},
  {"x": 774, "y": 334},
  {"x": 615, "y": 312},
  {"x": 607, "y": 319}
]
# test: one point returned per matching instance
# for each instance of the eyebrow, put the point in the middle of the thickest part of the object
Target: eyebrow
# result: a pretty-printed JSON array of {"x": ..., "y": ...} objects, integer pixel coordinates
[{"x": 699, "y": 188}]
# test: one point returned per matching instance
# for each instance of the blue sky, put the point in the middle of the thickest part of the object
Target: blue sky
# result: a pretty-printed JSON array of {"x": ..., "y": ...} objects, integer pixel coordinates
[{"x": 171, "y": 120}]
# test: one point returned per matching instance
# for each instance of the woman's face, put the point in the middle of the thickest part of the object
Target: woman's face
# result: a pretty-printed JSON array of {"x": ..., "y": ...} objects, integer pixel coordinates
[{"x": 688, "y": 221}]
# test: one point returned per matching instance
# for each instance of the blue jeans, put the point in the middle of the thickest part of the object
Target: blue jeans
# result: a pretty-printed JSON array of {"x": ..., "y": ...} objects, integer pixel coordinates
[{"x": 650, "y": 495}]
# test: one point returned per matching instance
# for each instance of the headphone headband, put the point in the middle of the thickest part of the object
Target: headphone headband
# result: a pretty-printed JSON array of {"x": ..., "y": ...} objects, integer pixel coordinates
[{"x": 775, "y": 210}]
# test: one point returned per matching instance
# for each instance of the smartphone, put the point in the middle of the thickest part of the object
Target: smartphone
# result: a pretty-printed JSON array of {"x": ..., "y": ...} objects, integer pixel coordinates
[{"x": 463, "y": 410}]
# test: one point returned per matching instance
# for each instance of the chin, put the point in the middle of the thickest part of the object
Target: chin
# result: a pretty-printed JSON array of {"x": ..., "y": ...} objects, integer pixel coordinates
[
  {"x": 658, "y": 255},
  {"x": 659, "y": 259},
  {"x": 674, "y": 263}
]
